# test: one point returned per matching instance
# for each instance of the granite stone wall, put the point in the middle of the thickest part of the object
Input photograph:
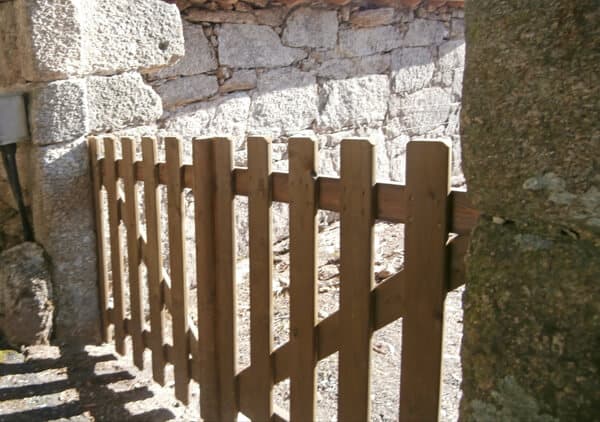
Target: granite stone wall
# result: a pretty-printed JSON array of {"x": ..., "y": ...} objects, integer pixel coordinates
[{"x": 531, "y": 144}]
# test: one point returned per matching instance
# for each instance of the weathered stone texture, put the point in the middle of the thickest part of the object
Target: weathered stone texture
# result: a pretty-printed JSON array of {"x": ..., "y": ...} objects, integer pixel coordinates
[
  {"x": 532, "y": 307},
  {"x": 366, "y": 41},
  {"x": 199, "y": 55},
  {"x": 412, "y": 68},
  {"x": 241, "y": 80},
  {"x": 187, "y": 89},
  {"x": 308, "y": 27},
  {"x": 373, "y": 17},
  {"x": 357, "y": 66},
  {"x": 424, "y": 110},
  {"x": 424, "y": 32},
  {"x": 69, "y": 37},
  {"x": 58, "y": 112},
  {"x": 286, "y": 102},
  {"x": 355, "y": 101},
  {"x": 10, "y": 59},
  {"x": 120, "y": 101},
  {"x": 531, "y": 111},
  {"x": 64, "y": 224},
  {"x": 26, "y": 307},
  {"x": 249, "y": 46}
]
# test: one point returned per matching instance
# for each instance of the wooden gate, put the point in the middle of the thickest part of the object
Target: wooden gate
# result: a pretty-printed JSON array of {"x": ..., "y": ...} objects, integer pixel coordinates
[{"x": 437, "y": 225}]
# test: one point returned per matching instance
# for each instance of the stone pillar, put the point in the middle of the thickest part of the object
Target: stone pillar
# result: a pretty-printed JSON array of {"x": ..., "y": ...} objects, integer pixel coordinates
[
  {"x": 531, "y": 155},
  {"x": 80, "y": 61}
]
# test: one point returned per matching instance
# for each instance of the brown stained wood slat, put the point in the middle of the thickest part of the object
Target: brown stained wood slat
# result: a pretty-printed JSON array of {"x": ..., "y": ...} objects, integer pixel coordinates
[
  {"x": 261, "y": 268},
  {"x": 116, "y": 243},
  {"x": 226, "y": 329},
  {"x": 356, "y": 278},
  {"x": 426, "y": 232},
  {"x": 179, "y": 288},
  {"x": 153, "y": 257},
  {"x": 133, "y": 253},
  {"x": 303, "y": 278},
  {"x": 390, "y": 202},
  {"x": 203, "y": 188},
  {"x": 93, "y": 146}
]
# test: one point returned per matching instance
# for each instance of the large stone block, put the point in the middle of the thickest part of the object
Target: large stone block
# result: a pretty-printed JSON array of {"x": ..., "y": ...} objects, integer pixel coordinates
[
  {"x": 249, "y": 46},
  {"x": 423, "y": 111},
  {"x": 356, "y": 101},
  {"x": 10, "y": 58},
  {"x": 307, "y": 27},
  {"x": 425, "y": 32},
  {"x": 412, "y": 69},
  {"x": 199, "y": 55},
  {"x": 187, "y": 89},
  {"x": 287, "y": 101},
  {"x": 531, "y": 112},
  {"x": 58, "y": 112},
  {"x": 26, "y": 307},
  {"x": 366, "y": 41},
  {"x": 355, "y": 66},
  {"x": 74, "y": 37},
  {"x": 531, "y": 320},
  {"x": 121, "y": 101},
  {"x": 64, "y": 226}
]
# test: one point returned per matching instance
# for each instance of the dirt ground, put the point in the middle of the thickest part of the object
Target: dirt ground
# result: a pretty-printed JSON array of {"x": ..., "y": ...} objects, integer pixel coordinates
[{"x": 57, "y": 383}]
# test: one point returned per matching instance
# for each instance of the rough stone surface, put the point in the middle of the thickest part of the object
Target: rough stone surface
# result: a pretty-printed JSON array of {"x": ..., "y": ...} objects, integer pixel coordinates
[
  {"x": 542, "y": 85},
  {"x": 307, "y": 27},
  {"x": 366, "y": 41},
  {"x": 199, "y": 55},
  {"x": 424, "y": 32},
  {"x": 423, "y": 110},
  {"x": 357, "y": 66},
  {"x": 26, "y": 307},
  {"x": 248, "y": 46},
  {"x": 64, "y": 224},
  {"x": 355, "y": 101},
  {"x": 58, "y": 112},
  {"x": 287, "y": 101},
  {"x": 69, "y": 37},
  {"x": 412, "y": 69},
  {"x": 531, "y": 313},
  {"x": 373, "y": 17},
  {"x": 120, "y": 101},
  {"x": 452, "y": 58},
  {"x": 241, "y": 80},
  {"x": 187, "y": 89},
  {"x": 10, "y": 62}
]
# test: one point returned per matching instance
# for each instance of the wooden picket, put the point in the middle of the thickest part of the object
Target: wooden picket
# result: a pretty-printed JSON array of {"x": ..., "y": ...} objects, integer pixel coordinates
[{"x": 207, "y": 353}]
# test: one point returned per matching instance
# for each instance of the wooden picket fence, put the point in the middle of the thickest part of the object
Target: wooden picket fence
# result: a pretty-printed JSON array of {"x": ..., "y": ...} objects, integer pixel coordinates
[{"x": 437, "y": 225}]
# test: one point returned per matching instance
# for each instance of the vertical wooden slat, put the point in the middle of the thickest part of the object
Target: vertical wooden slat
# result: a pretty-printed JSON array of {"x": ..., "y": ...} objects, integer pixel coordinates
[
  {"x": 227, "y": 347},
  {"x": 153, "y": 256},
  {"x": 426, "y": 231},
  {"x": 100, "y": 238},
  {"x": 204, "y": 219},
  {"x": 356, "y": 278},
  {"x": 133, "y": 253},
  {"x": 116, "y": 244},
  {"x": 303, "y": 278},
  {"x": 179, "y": 289},
  {"x": 261, "y": 265}
]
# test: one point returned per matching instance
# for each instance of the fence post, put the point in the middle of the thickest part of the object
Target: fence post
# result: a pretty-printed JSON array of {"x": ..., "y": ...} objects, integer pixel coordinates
[
  {"x": 426, "y": 268},
  {"x": 179, "y": 288},
  {"x": 356, "y": 278}
]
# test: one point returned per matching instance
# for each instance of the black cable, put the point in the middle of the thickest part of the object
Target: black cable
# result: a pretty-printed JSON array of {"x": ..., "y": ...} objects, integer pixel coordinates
[{"x": 10, "y": 164}]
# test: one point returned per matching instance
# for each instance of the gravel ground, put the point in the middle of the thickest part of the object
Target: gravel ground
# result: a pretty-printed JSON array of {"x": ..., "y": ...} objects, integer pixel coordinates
[{"x": 50, "y": 383}]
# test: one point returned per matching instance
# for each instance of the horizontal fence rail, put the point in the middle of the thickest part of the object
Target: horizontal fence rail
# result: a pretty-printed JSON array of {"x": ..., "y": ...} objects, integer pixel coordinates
[{"x": 437, "y": 222}]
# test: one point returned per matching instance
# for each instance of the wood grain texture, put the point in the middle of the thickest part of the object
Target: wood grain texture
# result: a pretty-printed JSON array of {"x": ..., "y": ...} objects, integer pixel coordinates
[
  {"x": 204, "y": 223},
  {"x": 426, "y": 268},
  {"x": 303, "y": 278},
  {"x": 98, "y": 196},
  {"x": 179, "y": 288},
  {"x": 116, "y": 243},
  {"x": 227, "y": 346},
  {"x": 261, "y": 268},
  {"x": 153, "y": 256},
  {"x": 356, "y": 278},
  {"x": 131, "y": 221}
]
